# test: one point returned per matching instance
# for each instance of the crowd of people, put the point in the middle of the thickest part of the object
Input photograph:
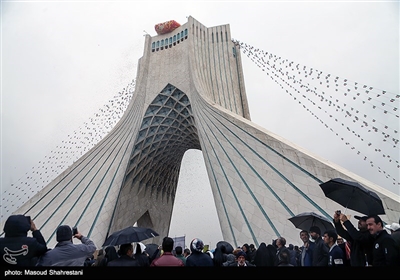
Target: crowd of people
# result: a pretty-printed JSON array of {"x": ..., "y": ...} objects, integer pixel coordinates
[{"x": 370, "y": 244}]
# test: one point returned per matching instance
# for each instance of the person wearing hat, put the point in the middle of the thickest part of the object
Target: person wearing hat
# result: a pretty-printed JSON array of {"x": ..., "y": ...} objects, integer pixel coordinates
[
  {"x": 394, "y": 229},
  {"x": 385, "y": 251},
  {"x": 197, "y": 257},
  {"x": 320, "y": 252},
  {"x": 17, "y": 248},
  {"x": 360, "y": 240},
  {"x": 66, "y": 253},
  {"x": 241, "y": 260}
]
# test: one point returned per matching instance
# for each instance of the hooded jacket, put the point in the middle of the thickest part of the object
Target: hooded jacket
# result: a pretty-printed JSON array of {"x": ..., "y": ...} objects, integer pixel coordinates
[{"x": 17, "y": 248}]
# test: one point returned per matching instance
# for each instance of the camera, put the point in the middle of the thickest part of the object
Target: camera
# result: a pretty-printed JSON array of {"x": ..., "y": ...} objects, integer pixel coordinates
[
  {"x": 74, "y": 230},
  {"x": 338, "y": 212}
]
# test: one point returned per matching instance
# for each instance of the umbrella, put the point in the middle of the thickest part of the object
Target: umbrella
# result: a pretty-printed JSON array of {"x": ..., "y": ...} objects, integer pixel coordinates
[
  {"x": 228, "y": 246},
  {"x": 306, "y": 220},
  {"x": 151, "y": 248},
  {"x": 354, "y": 196},
  {"x": 129, "y": 235}
]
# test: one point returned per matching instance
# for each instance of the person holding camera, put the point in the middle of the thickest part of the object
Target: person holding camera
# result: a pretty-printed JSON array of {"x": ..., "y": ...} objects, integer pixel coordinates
[
  {"x": 17, "y": 248},
  {"x": 66, "y": 253},
  {"x": 361, "y": 241}
]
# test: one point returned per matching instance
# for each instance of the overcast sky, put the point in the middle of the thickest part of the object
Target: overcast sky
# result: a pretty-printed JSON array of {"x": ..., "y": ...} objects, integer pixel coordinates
[{"x": 62, "y": 61}]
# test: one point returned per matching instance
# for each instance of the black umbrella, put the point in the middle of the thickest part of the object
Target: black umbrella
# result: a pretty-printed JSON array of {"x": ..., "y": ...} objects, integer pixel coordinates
[
  {"x": 129, "y": 235},
  {"x": 151, "y": 249},
  {"x": 228, "y": 246},
  {"x": 306, "y": 220},
  {"x": 354, "y": 196}
]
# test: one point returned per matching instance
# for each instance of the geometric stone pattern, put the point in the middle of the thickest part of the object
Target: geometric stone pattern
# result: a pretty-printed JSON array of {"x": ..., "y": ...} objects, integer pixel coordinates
[
  {"x": 166, "y": 133},
  {"x": 190, "y": 94}
]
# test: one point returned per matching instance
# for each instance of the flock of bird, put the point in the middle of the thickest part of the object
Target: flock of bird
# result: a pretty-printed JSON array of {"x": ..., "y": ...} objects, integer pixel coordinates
[{"x": 316, "y": 91}]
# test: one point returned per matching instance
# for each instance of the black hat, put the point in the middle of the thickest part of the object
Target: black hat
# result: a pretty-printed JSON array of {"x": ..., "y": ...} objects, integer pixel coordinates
[
  {"x": 241, "y": 253},
  {"x": 64, "y": 233},
  {"x": 315, "y": 229},
  {"x": 364, "y": 218}
]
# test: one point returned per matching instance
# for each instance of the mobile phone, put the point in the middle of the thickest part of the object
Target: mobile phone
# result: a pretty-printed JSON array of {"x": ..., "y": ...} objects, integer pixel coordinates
[
  {"x": 74, "y": 230},
  {"x": 338, "y": 212}
]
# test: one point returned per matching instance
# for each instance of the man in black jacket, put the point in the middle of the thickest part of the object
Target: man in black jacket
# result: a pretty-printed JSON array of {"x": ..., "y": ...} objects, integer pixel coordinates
[
  {"x": 320, "y": 251},
  {"x": 385, "y": 252},
  {"x": 361, "y": 241},
  {"x": 197, "y": 257},
  {"x": 126, "y": 258},
  {"x": 17, "y": 248}
]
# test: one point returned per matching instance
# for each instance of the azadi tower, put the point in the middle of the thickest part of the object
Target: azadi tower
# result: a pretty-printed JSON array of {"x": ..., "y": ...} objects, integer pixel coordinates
[{"x": 190, "y": 94}]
